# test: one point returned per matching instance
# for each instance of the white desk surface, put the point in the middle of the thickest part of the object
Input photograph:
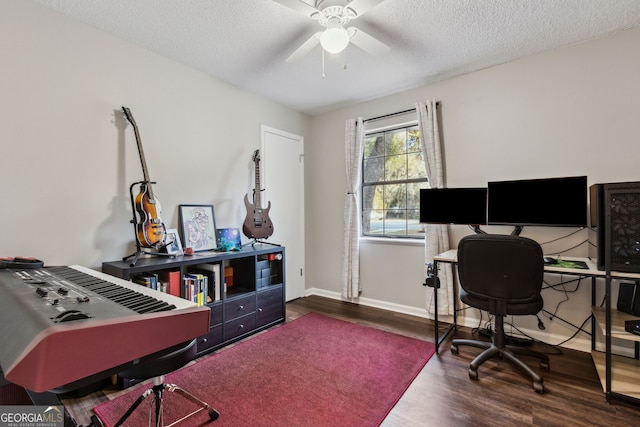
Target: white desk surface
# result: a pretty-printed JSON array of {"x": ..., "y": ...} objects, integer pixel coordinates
[{"x": 451, "y": 256}]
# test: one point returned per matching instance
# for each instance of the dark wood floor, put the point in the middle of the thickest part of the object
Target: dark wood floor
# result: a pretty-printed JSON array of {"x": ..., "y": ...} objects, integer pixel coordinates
[{"x": 443, "y": 394}]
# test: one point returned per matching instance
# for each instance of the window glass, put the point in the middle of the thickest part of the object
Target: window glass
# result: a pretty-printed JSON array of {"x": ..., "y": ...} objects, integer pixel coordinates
[{"x": 393, "y": 172}]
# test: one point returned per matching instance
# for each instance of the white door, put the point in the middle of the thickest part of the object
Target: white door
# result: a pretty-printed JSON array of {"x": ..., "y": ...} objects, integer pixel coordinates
[{"x": 282, "y": 157}]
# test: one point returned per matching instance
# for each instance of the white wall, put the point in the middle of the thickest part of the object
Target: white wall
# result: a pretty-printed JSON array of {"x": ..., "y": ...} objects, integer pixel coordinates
[
  {"x": 68, "y": 157},
  {"x": 572, "y": 111}
]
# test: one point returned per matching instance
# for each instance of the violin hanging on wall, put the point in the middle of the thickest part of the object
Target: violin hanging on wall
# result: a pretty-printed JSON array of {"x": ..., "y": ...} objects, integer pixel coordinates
[
  {"x": 150, "y": 230},
  {"x": 257, "y": 224}
]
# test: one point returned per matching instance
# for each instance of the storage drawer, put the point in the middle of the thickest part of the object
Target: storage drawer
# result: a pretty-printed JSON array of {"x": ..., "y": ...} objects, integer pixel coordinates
[
  {"x": 216, "y": 315},
  {"x": 213, "y": 338},
  {"x": 270, "y": 306},
  {"x": 239, "y": 326},
  {"x": 239, "y": 306}
]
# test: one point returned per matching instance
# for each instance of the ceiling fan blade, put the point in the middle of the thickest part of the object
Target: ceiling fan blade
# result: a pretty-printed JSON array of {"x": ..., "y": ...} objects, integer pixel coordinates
[
  {"x": 367, "y": 43},
  {"x": 361, "y": 6},
  {"x": 299, "y": 6},
  {"x": 306, "y": 47}
]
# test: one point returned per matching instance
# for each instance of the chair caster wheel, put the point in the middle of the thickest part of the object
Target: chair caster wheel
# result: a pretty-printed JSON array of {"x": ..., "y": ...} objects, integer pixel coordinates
[
  {"x": 454, "y": 349},
  {"x": 473, "y": 374},
  {"x": 544, "y": 365},
  {"x": 538, "y": 387},
  {"x": 213, "y": 414}
]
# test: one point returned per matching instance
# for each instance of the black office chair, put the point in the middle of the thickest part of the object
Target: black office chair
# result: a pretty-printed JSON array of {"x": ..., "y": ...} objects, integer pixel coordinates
[{"x": 501, "y": 274}]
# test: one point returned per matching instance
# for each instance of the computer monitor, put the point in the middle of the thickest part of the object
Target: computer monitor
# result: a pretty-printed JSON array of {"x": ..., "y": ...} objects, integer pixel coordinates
[
  {"x": 453, "y": 206},
  {"x": 555, "y": 202}
]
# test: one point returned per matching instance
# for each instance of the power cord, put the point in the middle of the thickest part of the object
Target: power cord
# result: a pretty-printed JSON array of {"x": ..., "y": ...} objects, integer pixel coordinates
[
  {"x": 578, "y": 328},
  {"x": 540, "y": 324},
  {"x": 564, "y": 237}
]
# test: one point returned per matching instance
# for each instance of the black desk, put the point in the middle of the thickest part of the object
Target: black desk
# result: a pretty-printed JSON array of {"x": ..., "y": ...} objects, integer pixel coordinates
[{"x": 624, "y": 383}]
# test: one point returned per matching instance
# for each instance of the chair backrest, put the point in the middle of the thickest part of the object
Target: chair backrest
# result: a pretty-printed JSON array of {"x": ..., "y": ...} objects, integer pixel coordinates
[{"x": 503, "y": 267}]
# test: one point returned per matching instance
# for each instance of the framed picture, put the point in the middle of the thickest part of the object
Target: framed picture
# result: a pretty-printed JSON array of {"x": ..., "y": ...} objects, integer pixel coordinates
[
  {"x": 228, "y": 239},
  {"x": 198, "y": 227},
  {"x": 172, "y": 239}
]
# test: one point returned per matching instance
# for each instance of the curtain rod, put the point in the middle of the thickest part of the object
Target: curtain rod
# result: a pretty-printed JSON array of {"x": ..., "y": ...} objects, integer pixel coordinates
[
  {"x": 389, "y": 115},
  {"x": 393, "y": 114}
]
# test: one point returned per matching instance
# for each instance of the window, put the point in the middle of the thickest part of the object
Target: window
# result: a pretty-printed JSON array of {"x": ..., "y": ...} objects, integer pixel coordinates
[{"x": 393, "y": 172}]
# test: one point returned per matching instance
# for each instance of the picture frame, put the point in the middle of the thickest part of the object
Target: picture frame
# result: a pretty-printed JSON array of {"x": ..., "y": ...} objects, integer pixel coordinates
[
  {"x": 197, "y": 227},
  {"x": 228, "y": 239},
  {"x": 172, "y": 239}
]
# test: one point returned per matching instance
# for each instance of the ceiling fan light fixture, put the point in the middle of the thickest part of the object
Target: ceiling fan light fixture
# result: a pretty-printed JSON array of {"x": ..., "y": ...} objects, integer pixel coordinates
[{"x": 335, "y": 38}]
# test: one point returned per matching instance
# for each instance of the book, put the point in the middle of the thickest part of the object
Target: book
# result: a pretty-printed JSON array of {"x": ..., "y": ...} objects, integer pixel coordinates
[
  {"x": 172, "y": 279},
  {"x": 150, "y": 280},
  {"x": 197, "y": 287},
  {"x": 212, "y": 271}
]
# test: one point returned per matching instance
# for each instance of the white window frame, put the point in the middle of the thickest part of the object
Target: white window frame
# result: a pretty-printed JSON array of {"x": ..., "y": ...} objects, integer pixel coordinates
[{"x": 381, "y": 211}]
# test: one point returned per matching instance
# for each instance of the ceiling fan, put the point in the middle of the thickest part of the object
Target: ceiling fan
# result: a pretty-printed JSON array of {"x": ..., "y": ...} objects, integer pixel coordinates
[{"x": 333, "y": 15}]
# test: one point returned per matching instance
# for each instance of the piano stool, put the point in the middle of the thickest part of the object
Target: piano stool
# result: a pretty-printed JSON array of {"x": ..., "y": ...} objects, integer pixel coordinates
[{"x": 157, "y": 369}]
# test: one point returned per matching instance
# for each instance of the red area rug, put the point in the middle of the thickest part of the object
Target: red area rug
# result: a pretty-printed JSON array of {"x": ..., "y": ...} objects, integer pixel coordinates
[
  {"x": 11, "y": 394},
  {"x": 312, "y": 371}
]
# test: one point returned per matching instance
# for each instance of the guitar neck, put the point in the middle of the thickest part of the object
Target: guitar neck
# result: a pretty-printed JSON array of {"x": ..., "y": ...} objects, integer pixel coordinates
[
  {"x": 257, "y": 188},
  {"x": 145, "y": 172}
]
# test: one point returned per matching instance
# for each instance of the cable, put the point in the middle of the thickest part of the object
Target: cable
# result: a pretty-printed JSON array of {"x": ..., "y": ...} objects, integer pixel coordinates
[
  {"x": 566, "y": 292},
  {"x": 553, "y": 287},
  {"x": 568, "y": 249},
  {"x": 488, "y": 331},
  {"x": 563, "y": 237},
  {"x": 534, "y": 340},
  {"x": 566, "y": 298},
  {"x": 540, "y": 324},
  {"x": 579, "y": 328},
  {"x": 555, "y": 346},
  {"x": 578, "y": 331}
]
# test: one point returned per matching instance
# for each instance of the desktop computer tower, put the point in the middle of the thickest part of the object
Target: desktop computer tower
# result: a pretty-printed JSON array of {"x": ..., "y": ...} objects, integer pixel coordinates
[
  {"x": 615, "y": 213},
  {"x": 596, "y": 229}
]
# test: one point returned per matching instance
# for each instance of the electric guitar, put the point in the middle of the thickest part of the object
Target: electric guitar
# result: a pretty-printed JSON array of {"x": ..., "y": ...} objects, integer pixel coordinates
[
  {"x": 257, "y": 224},
  {"x": 150, "y": 230}
]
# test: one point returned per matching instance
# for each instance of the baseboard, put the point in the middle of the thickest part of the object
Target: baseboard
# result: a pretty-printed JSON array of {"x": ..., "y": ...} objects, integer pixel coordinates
[
  {"x": 578, "y": 343},
  {"x": 398, "y": 308}
]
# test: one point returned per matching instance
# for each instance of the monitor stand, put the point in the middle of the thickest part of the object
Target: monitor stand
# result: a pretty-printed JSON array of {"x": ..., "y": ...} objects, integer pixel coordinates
[
  {"x": 478, "y": 230},
  {"x": 517, "y": 230}
]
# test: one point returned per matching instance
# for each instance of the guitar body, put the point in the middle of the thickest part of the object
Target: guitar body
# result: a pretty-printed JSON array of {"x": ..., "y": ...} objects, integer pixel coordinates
[
  {"x": 257, "y": 224},
  {"x": 149, "y": 229}
]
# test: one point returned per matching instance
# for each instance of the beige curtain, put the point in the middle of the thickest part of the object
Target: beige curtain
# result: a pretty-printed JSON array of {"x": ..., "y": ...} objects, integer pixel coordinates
[
  {"x": 437, "y": 236},
  {"x": 354, "y": 141}
]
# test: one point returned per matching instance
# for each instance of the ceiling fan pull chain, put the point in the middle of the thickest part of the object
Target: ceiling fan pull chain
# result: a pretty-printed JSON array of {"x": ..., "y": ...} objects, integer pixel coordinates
[
  {"x": 344, "y": 58},
  {"x": 323, "y": 63}
]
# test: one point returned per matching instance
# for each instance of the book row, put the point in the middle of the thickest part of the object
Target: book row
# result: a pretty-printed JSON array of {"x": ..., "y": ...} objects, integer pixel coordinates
[{"x": 201, "y": 284}]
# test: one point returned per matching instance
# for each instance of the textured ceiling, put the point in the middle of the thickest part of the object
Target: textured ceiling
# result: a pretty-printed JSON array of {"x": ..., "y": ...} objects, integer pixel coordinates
[{"x": 246, "y": 42}]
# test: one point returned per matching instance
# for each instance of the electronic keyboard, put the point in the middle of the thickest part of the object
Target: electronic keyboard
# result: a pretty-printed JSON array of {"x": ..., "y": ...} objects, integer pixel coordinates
[{"x": 62, "y": 325}]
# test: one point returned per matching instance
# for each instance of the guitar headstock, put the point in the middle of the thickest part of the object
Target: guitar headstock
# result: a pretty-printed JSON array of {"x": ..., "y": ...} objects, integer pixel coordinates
[
  {"x": 256, "y": 156},
  {"x": 128, "y": 115}
]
